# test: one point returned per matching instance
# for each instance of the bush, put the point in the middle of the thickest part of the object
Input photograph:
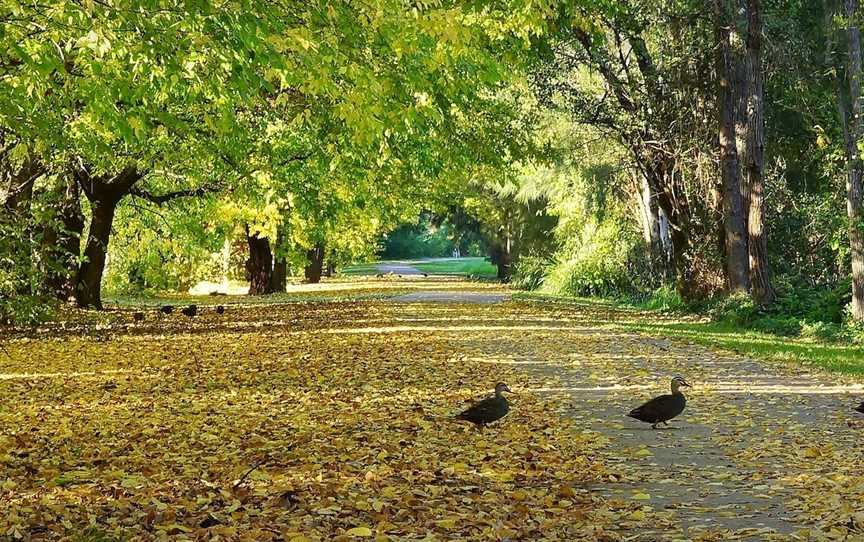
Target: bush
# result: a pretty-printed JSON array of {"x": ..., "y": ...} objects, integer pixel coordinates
[
  {"x": 736, "y": 310},
  {"x": 596, "y": 264},
  {"x": 664, "y": 298},
  {"x": 530, "y": 272},
  {"x": 20, "y": 277}
]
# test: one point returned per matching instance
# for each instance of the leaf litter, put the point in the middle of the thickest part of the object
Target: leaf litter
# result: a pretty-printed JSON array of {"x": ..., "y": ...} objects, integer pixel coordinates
[{"x": 328, "y": 421}]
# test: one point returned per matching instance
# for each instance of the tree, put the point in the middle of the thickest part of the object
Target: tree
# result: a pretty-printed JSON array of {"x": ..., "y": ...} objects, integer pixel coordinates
[
  {"x": 729, "y": 86},
  {"x": 762, "y": 289},
  {"x": 851, "y": 109}
]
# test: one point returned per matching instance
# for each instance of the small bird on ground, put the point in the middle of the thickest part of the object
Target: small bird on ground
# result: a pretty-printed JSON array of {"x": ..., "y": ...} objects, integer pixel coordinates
[
  {"x": 190, "y": 311},
  {"x": 860, "y": 408},
  {"x": 488, "y": 410},
  {"x": 166, "y": 309},
  {"x": 138, "y": 316},
  {"x": 220, "y": 310},
  {"x": 663, "y": 408}
]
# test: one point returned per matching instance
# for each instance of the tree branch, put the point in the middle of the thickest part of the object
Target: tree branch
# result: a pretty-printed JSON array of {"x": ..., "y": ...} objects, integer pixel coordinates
[{"x": 161, "y": 199}]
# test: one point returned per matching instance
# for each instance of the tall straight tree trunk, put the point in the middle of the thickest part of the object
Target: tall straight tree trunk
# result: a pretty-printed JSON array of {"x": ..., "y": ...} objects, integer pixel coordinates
[
  {"x": 315, "y": 267},
  {"x": 754, "y": 168},
  {"x": 259, "y": 265},
  {"x": 855, "y": 167},
  {"x": 737, "y": 258}
]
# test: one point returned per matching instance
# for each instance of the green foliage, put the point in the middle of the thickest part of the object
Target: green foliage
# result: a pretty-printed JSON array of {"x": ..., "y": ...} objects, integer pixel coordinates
[
  {"x": 420, "y": 240},
  {"x": 664, "y": 298},
  {"x": 596, "y": 263},
  {"x": 530, "y": 272},
  {"x": 20, "y": 276}
]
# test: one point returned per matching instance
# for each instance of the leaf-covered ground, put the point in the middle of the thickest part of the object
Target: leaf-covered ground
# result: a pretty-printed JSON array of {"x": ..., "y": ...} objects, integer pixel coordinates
[{"x": 327, "y": 420}]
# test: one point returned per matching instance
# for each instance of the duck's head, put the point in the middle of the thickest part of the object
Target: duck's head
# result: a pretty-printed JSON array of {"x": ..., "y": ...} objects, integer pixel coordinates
[
  {"x": 502, "y": 387},
  {"x": 679, "y": 382}
]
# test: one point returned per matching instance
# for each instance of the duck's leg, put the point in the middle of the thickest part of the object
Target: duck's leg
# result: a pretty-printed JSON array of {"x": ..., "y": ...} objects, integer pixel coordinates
[
  {"x": 653, "y": 426},
  {"x": 666, "y": 423}
]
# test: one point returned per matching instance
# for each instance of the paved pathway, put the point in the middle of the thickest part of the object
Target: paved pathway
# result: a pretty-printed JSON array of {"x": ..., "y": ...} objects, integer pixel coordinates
[
  {"x": 753, "y": 439},
  {"x": 398, "y": 268}
]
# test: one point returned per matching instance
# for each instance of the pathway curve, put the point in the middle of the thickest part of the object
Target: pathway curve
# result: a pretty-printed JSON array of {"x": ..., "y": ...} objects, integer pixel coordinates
[{"x": 744, "y": 462}]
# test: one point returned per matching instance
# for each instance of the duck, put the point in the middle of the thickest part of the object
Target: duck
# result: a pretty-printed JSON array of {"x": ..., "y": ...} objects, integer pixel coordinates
[
  {"x": 166, "y": 309},
  {"x": 190, "y": 311},
  {"x": 220, "y": 310},
  {"x": 138, "y": 316},
  {"x": 663, "y": 408},
  {"x": 488, "y": 410},
  {"x": 860, "y": 408}
]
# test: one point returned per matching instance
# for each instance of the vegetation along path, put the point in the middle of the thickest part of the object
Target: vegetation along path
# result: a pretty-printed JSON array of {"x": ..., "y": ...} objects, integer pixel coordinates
[{"x": 327, "y": 419}]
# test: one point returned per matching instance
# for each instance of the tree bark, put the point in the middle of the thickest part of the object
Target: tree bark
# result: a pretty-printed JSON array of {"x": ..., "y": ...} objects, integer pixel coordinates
[
  {"x": 61, "y": 240},
  {"x": 855, "y": 166},
  {"x": 737, "y": 258},
  {"x": 88, "y": 291},
  {"x": 280, "y": 265},
  {"x": 762, "y": 290},
  {"x": 17, "y": 186},
  {"x": 259, "y": 265},
  {"x": 315, "y": 267},
  {"x": 103, "y": 192}
]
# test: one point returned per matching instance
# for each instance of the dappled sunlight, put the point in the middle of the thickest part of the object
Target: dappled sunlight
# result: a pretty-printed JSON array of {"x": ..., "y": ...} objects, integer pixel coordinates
[
  {"x": 73, "y": 375},
  {"x": 338, "y": 414}
]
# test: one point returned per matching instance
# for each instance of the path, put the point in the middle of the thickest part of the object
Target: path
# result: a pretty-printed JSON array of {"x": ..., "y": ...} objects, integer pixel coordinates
[
  {"x": 753, "y": 440},
  {"x": 398, "y": 268}
]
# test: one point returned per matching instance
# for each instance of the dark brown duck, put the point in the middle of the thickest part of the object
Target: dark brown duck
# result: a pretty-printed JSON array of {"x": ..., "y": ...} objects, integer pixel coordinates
[
  {"x": 488, "y": 410},
  {"x": 664, "y": 408}
]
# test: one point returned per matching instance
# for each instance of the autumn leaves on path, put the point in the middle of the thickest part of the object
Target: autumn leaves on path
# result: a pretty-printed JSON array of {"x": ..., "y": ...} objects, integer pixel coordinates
[{"x": 322, "y": 421}]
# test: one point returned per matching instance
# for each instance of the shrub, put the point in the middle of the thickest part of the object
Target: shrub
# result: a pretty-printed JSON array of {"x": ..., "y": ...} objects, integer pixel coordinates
[
  {"x": 595, "y": 264},
  {"x": 736, "y": 310},
  {"x": 664, "y": 298},
  {"x": 530, "y": 272}
]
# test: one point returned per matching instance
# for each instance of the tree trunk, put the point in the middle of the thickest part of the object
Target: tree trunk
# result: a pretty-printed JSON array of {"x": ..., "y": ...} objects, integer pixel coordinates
[
  {"x": 61, "y": 240},
  {"x": 754, "y": 166},
  {"x": 259, "y": 265},
  {"x": 280, "y": 265},
  {"x": 315, "y": 267},
  {"x": 104, "y": 193},
  {"x": 16, "y": 187},
  {"x": 737, "y": 259},
  {"x": 280, "y": 275},
  {"x": 88, "y": 290},
  {"x": 855, "y": 167}
]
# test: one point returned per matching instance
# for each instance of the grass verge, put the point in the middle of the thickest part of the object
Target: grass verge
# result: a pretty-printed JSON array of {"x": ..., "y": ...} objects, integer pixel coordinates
[{"x": 459, "y": 266}]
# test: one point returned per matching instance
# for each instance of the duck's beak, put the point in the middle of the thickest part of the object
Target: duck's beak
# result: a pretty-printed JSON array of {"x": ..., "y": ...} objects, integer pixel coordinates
[
  {"x": 507, "y": 388},
  {"x": 685, "y": 384}
]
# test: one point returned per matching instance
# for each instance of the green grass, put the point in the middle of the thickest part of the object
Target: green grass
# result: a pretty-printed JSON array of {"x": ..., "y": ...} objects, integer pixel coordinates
[
  {"x": 841, "y": 358},
  {"x": 370, "y": 268},
  {"x": 459, "y": 266}
]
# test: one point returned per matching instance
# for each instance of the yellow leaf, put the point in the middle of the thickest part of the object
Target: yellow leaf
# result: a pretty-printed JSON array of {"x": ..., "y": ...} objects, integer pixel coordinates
[
  {"x": 359, "y": 531},
  {"x": 446, "y": 523},
  {"x": 641, "y": 497}
]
